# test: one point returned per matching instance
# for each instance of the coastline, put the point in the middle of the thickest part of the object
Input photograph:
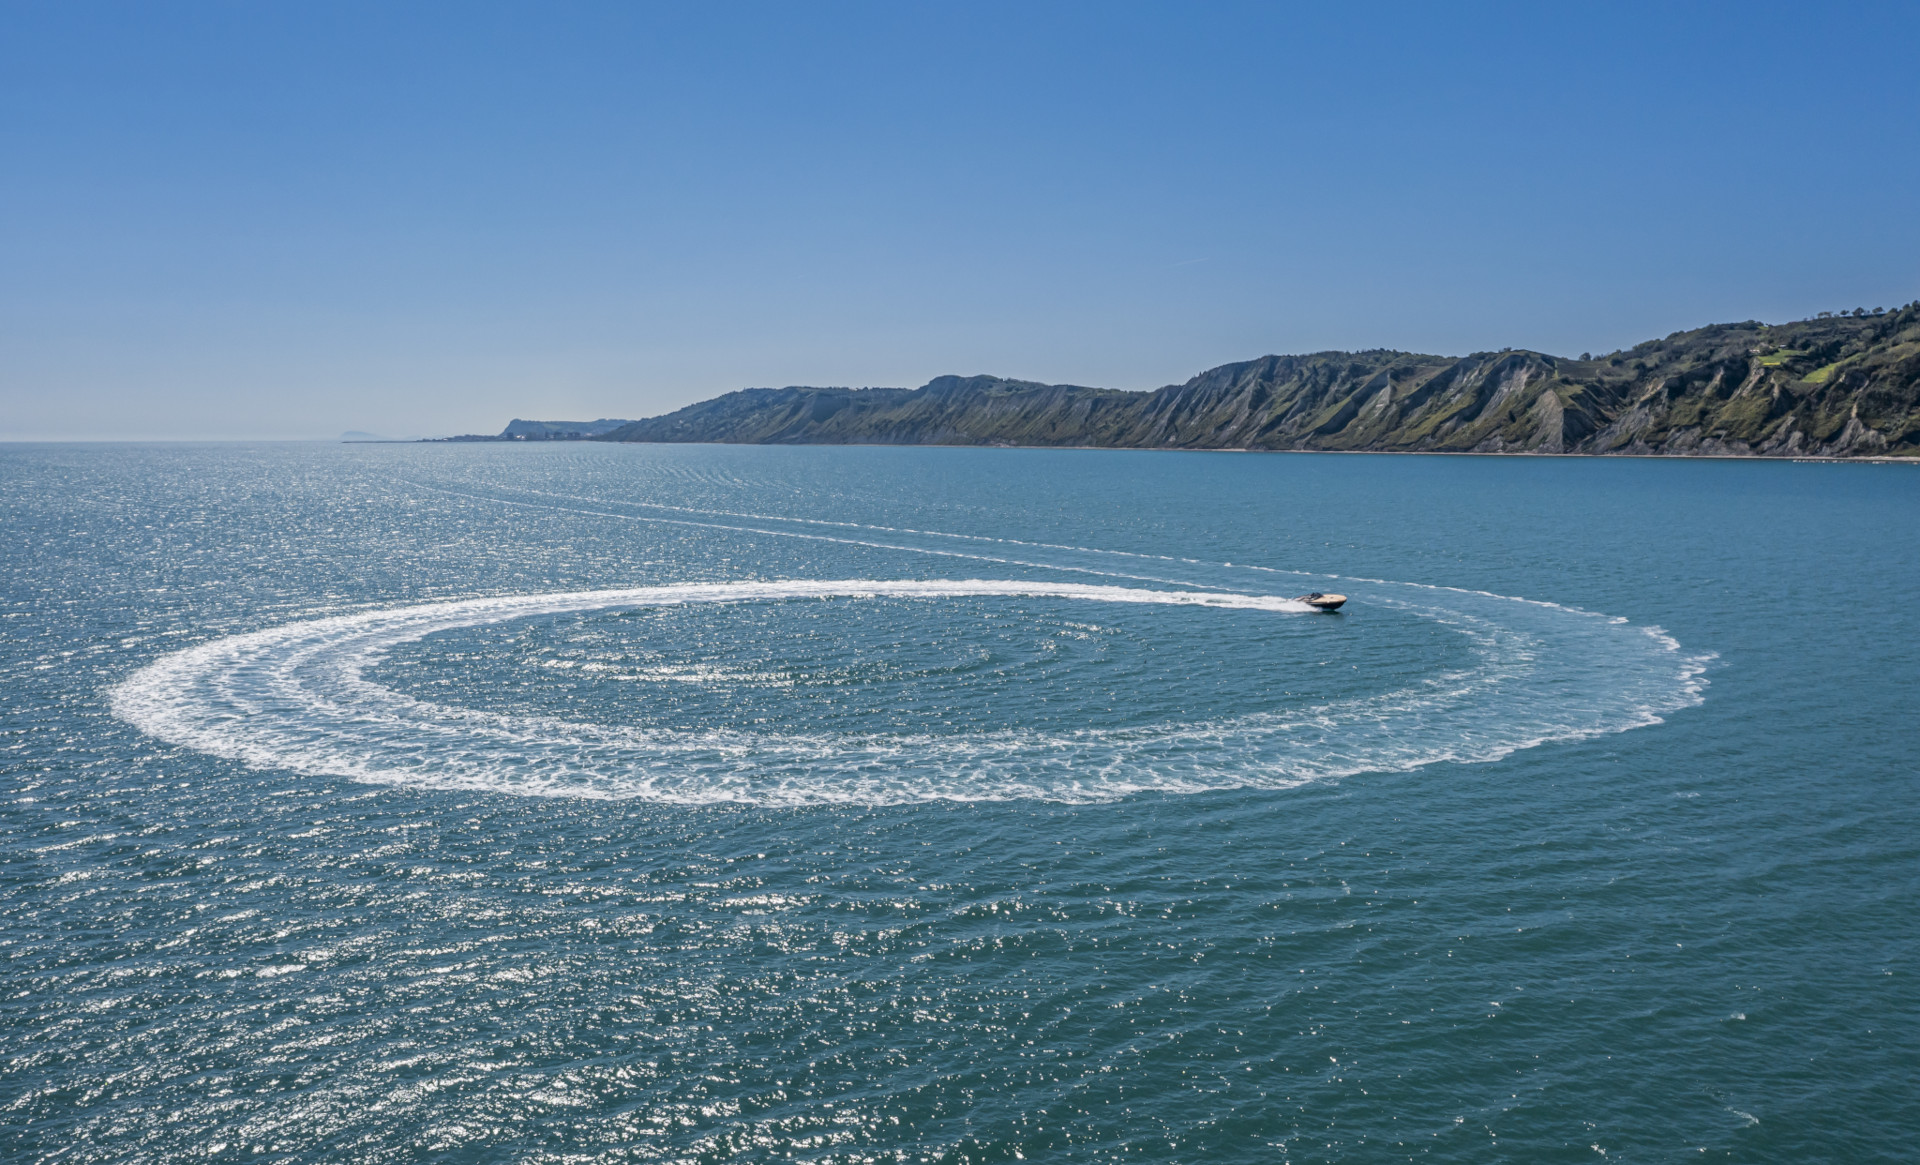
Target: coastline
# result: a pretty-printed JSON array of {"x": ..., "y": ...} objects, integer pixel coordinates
[{"x": 1866, "y": 460}]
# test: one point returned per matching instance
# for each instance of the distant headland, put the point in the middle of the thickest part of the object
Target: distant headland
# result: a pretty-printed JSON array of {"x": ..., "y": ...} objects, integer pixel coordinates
[{"x": 1837, "y": 385}]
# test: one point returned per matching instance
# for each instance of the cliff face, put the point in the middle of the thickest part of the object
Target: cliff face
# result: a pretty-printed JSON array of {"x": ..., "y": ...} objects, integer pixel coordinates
[{"x": 1843, "y": 386}]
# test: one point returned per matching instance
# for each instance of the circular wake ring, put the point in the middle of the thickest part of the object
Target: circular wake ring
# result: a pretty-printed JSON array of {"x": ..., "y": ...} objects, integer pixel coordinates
[{"x": 296, "y": 697}]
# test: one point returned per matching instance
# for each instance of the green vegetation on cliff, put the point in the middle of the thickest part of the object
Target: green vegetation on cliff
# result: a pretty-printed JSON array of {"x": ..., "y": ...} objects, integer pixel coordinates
[{"x": 1846, "y": 385}]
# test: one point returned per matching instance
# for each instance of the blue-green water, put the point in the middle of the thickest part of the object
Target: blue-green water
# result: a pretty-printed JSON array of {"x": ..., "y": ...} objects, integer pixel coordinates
[{"x": 589, "y": 803}]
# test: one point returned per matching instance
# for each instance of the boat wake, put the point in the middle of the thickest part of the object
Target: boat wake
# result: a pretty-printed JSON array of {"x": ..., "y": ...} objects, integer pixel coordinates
[{"x": 298, "y": 697}]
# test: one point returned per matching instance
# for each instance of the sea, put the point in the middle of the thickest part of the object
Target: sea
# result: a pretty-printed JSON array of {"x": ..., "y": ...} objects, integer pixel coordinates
[{"x": 573, "y": 802}]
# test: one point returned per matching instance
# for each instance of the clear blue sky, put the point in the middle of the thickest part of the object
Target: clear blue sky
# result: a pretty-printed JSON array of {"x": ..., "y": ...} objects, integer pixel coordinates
[{"x": 276, "y": 219}]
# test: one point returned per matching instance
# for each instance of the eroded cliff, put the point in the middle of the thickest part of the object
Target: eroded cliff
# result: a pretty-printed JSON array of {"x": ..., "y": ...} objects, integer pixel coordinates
[{"x": 1838, "y": 386}]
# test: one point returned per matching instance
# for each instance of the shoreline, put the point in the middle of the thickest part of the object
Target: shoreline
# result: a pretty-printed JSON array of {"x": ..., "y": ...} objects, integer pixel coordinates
[{"x": 1869, "y": 460}]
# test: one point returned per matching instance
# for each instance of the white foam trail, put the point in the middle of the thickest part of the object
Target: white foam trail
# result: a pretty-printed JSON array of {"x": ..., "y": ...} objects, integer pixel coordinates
[
  {"x": 756, "y": 517},
  {"x": 745, "y": 515},
  {"x": 296, "y": 697},
  {"x": 868, "y": 543}
]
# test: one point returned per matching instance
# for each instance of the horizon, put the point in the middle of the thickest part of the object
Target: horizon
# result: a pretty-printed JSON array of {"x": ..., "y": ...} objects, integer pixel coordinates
[
  {"x": 228, "y": 223},
  {"x": 354, "y": 436}
]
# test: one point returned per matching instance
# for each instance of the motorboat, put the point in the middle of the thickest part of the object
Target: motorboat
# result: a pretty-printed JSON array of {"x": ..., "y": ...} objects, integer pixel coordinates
[{"x": 1320, "y": 602}]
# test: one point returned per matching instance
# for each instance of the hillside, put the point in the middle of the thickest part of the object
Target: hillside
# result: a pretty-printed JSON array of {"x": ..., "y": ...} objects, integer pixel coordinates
[
  {"x": 1836, "y": 386},
  {"x": 519, "y": 430}
]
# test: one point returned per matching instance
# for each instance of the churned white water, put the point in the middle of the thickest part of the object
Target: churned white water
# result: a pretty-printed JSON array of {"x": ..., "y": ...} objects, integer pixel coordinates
[{"x": 297, "y": 697}]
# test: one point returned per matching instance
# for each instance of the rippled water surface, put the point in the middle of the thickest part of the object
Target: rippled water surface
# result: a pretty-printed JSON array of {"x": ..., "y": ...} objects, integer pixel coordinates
[{"x": 583, "y": 802}]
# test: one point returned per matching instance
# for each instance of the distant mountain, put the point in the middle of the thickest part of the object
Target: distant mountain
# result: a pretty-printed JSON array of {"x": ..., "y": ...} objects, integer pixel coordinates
[
  {"x": 1836, "y": 386},
  {"x": 519, "y": 430}
]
